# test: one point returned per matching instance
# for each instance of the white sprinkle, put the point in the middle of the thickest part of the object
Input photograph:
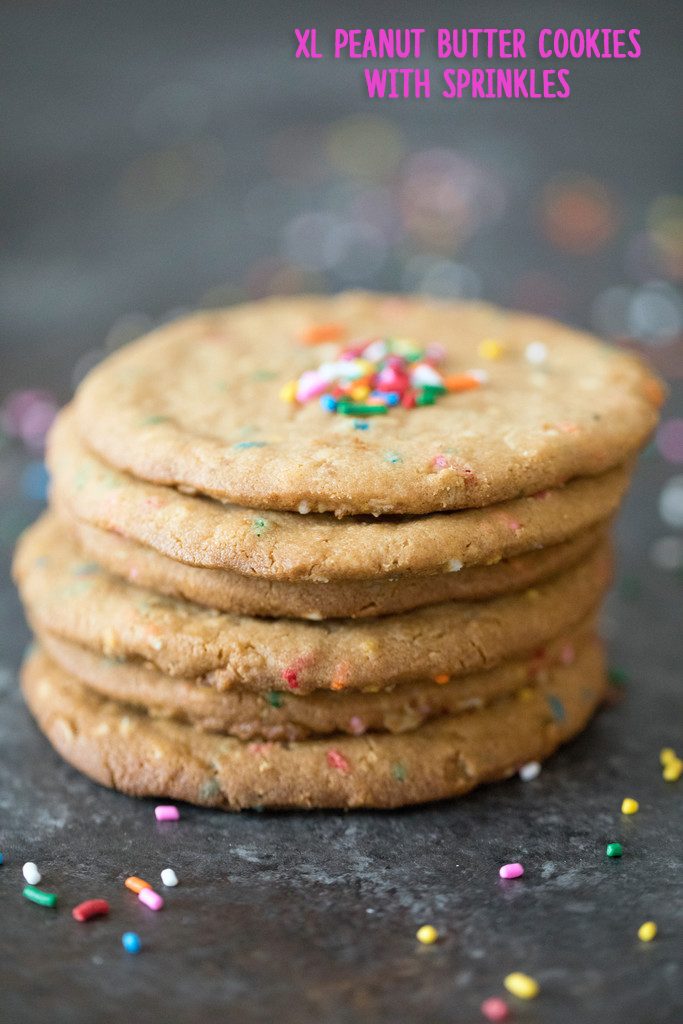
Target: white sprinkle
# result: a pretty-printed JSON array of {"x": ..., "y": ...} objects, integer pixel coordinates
[
  {"x": 304, "y": 508},
  {"x": 455, "y": 565},
  {"x": 536, "y": 353},
  {"x": 31, "y": 873},
  {"x": 529, "y": 771},
  {"x": 169, "y": 877},
  {"x": 671, "y": 502}
]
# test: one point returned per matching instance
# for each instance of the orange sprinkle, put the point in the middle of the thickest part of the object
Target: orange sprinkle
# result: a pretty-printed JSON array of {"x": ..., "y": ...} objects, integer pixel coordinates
[
  {"x": 337, "y": 684},
  {"x": 136, "y": 884},
  {"x": 461, "y": 382},
  {"x": 316, "y": 334},
  {"x": 441, "y": 679}
]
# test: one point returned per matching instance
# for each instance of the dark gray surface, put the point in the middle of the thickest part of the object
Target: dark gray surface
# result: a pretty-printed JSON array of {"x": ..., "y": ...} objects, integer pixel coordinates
[{"x": 311, "y": 918}]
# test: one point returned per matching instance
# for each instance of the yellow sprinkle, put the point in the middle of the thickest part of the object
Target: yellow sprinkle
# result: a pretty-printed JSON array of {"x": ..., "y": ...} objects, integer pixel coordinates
[
  {"x": 441, "y": 679},
  {"x": 667, "y": 754},
  {"x": 491, "y": 349},
  {"x": 673, "y": 770},
  {"x": 647, "y": 931},
  {"x": 288, "y": 392},
  {"x": 521, "y": 985},
  {"x": 629, "y": 805},
  {"x": 360, "y": 392},
  {"x": 526, "y": 693},
  {"x": 427, "y": 934},
  {"x": 364, "y": 366}
]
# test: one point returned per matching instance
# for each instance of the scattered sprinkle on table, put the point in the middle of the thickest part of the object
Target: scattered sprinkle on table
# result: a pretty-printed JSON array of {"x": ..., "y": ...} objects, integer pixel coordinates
[
  {"x": 169, "y": 877},
  {"x": 647, "y": 931},
  {"x": 521, "y": 985},
  {"x": 495, "y": 1009},
  {"x": 136, "y": 884},
  {"x": 666, "y": 754},
  {"x": 31, "y": 873},
  {"x": 614, "y": 850},
  {"x": 89, "y": 909},
  {"x": 530, "y": 771},
  {"x": 131, "y": 942},
  {"x": 39, "y": 896},
  {"x": 166, "y": 812},
  {"x": 2, "y": 858},
  {"x": 673, "y": 769},
  {"x": 629, "y": 805},
  {"x": 426, "y": 934},
  {"x": 511, "y": 870},
  {"x": 151, "y": 899}
]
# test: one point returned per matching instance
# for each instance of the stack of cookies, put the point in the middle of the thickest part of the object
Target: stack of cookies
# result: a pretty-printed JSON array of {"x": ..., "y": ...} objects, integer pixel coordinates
[{"x": 330, "y": 552}]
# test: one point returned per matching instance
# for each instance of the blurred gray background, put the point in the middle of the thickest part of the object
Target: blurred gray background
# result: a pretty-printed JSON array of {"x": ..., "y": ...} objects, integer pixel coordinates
[{"x": 159, "y": 155}]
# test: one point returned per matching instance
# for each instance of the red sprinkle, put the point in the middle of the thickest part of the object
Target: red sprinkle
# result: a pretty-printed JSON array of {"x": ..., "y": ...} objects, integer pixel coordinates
[
  {"x": 338, "y": 761},
  {"x": 290, "y": 677},
  {"x": 91, "y": 908}
]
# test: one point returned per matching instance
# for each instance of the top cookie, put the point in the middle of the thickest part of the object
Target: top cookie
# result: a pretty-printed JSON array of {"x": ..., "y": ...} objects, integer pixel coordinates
[{"x": 209, "y": 403}]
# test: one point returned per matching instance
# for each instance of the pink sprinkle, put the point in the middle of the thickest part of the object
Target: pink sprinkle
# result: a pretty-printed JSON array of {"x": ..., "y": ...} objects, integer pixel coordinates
[
  {"x": 514, "y": 525},
  {"x": 151, "y": 899},
  {"x": 495, "y": 1009},
  {"x": 290, "y": 677},
  {"x": 357, "y": 725},
  {"x": 567, "y": 654},
  {"x": 338, "y": 761},
  {"x": 440, "y": 462},
  {"x": 166, "y": 812},
  {"x": 541, "y": 495},
  {"x": 511, "y": 871}
]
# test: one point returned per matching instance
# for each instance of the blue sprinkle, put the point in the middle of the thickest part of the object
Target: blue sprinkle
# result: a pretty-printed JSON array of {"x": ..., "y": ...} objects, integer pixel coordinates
[
  {"x": 328, "y": 402},
  {"x": 131, "y": 942},
  {"x": 250, "y": 444},
  {"x": 360, "y": 425},
  {"x": 557, "y": 707},
  {"x": 392, "y": 397},
  {"x": 2, "y": 858},
  {"x": 34, "y": 481},
  {"x": 392, "y": 457}
]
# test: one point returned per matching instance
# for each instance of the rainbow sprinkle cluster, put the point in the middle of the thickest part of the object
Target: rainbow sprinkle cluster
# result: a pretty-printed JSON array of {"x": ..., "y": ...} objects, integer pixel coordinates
[{"x": 372, "y": 376}]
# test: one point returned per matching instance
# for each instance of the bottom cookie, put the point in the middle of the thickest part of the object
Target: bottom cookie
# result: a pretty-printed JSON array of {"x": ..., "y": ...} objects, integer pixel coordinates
[{"x": 122, "y": 747}]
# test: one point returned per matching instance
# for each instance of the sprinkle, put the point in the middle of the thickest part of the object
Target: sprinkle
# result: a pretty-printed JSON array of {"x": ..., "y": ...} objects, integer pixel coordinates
[
  {"x": 356, "y": 725},
  {"x": 556, "y": 706},
  {"x": 338, "y": 761},
  {"x": 131, "y": 942},
  {"x": 614, "y": 850},
  {"x": 536, "y": 353},
  {"x": 275, "y": 699},
  {"x": 529, "y": 771},
  {"x": 673, "y": 770},
  {"x": 2, "y": 858},
  {"x": 249, "y": 444},
  {"x": 259, "y": 526},
  {"x": 521, "y": 985},
  {"x": 629, "y": 805},
  {"x": 617, "y": 677},
  {"x": 441, "y": 679},
  {"x": 495, "y": 1009},
  {"x": 375, "y": 375},
  {"x": 90, "y": 908},
  {"x": 136, "y": 884},
  {"x": 166, "y": 812},
  {"x": 290, "y": 677},
  {"x": 31, "y": 873},
  {"x": 455, "y": 565},
  {"x": 153, "y": 421},
  {"x": 315, "y": 334},
  {"x": 151, "y": 899},
  {"x": 647, "y": 931},
  {"x": 39, "y": 896},
  {"x": 666, "y": 755},
  {"x": 511, "y": 871},
  {"x": 360, "y": 425},
  {"x": 461, "y": 382},
  {"x": 392, "y": 457},
  {"x": 399, "y": 772},
  {"x": 169, "y": 878},
  {"x": 427, "y": 934},
  {"x": 491, "y": 349}
]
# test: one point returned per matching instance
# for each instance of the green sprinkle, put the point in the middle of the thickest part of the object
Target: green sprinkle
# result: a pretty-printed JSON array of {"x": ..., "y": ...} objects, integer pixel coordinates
[
  {"x": 617, "y": 677},
  {"x": 275, "y": 699},
  {"x": 357, "y": 409},
  {"x": 398, "y": 770},
  {"x": 259, "y": 526},
  {"x": 614, "y": 850},
  {"x": 433, "y": 389},
  {"x": 152, "y": 421},
  {"x": 392, "y": 457},
  {"x": 250, "y": 444},
  {"x": 39, "y": 896},
  {"x": 209, "y": 789},
  {"x": 424, "y": 399}
]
